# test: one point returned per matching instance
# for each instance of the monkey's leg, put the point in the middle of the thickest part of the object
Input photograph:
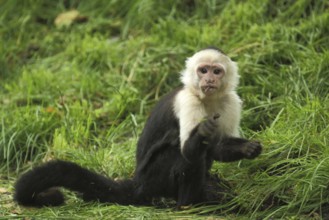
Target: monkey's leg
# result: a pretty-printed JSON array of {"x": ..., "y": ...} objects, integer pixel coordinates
[
  {"x": 192, "y": 169},
  {"x": 217, "y": 190},
  {"x": 232, "y": 149},
  {"x": 191, "y": 182}
]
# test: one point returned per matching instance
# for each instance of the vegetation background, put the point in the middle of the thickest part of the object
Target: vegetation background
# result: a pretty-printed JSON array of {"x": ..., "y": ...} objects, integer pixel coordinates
[{"x": 80, "y": 86}]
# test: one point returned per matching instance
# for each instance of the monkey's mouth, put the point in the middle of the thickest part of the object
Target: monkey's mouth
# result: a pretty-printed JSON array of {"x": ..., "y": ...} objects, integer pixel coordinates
[{"x": 208, "y": 89}]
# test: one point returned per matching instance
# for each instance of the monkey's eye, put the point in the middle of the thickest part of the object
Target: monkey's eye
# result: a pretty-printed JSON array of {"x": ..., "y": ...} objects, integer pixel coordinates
[
  {"x": 203, "y": 70},
  {"x": 217, "y": 71}
]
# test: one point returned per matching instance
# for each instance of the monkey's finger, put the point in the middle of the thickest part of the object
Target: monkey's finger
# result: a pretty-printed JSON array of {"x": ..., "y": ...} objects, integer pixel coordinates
[
  {"x": 216, "y": 116},
  {"x": 212, "y": 122},
  {"x": 210, "y": 126},
  {"x": 206, "y": 128}
]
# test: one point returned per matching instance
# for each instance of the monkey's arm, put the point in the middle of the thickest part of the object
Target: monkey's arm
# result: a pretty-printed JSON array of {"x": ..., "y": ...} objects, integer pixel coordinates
[
  {"x": 232, "y": 149},
  {"x": 199, "y": 141}
]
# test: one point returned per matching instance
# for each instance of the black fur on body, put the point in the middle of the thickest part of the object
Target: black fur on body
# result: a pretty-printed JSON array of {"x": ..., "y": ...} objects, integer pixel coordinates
[
  {"x": 164, "y": 168},
  {"x": 161, "y": 169}
]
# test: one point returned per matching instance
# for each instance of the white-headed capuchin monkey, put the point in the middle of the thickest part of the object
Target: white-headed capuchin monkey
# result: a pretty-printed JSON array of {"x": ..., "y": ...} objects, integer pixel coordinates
[{"x": 188, "y": 129}]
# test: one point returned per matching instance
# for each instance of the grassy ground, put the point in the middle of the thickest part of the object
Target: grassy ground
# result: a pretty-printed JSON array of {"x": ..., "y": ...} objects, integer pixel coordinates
[{"x": 82, "y": 92}]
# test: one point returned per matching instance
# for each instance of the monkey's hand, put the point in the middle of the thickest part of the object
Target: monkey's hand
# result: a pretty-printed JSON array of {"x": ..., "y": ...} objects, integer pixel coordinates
[
  {"x": 251, "y": 149},
  {"x": 208, "y": 127}
]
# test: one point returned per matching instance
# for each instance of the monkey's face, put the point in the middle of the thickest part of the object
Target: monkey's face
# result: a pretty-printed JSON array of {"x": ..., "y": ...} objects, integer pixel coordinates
[
  {"x": 210, "y": 76},
  {"x": 209, "y": 72}
]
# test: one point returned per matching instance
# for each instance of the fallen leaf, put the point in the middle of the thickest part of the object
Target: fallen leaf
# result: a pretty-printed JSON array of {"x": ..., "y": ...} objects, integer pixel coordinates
[
  {"x": 67, "y": 18},
  {"x": 50, "y": 109},
  {"x": 3, "y": 190},
  {"x": 16, "y": 211}
]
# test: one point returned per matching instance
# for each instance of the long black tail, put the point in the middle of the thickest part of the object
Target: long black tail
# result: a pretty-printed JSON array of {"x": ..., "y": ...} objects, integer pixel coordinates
[{"x": 35, "y": 188}]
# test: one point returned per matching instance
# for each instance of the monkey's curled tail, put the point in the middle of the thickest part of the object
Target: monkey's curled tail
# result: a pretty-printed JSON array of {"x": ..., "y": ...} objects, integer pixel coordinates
[{"x": 35, "y": 188}]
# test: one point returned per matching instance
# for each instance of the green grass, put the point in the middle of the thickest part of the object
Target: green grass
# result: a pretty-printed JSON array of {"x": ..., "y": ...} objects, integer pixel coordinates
[{"x": 83, "y": 92}]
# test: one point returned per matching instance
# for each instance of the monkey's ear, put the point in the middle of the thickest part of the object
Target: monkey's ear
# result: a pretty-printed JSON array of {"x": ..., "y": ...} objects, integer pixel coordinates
[
  {"x": 189, "y": 78},
  {"x": 232, "y": 76}
]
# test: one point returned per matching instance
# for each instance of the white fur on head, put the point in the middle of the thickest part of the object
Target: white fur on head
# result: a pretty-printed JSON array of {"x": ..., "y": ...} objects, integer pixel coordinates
[
  {"x": 191, "y": 106},
  {"x": 190, "y": 78}
]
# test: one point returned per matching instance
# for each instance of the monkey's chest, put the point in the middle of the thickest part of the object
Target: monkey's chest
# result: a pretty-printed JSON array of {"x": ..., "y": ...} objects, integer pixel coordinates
[{"x": 227, "y": 121}]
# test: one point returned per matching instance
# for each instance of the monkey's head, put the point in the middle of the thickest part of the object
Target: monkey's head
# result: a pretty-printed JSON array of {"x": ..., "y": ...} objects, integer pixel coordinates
[{"x": 209, "y": 72}]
